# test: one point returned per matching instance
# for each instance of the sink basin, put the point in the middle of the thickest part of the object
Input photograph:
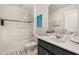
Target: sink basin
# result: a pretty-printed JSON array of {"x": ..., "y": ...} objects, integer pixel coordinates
[
  {"x": 75, "y": 38},
  {"x": 59, "y": 37}
]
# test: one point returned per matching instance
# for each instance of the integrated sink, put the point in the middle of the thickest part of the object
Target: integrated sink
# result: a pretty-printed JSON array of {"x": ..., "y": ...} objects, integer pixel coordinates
[
  {"x": 74, "y": 38},
  {"x": 58, "y": 37},
  {"x": 64, "y": 37}
]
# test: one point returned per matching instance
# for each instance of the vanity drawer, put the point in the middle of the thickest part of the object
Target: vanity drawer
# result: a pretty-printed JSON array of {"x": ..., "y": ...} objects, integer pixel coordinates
[{"x": 53, "y": 49}]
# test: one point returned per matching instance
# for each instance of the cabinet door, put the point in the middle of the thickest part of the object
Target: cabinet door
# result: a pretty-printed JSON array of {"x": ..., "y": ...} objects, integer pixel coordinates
[
  {"x": 42, "y": 51},
  {"x": 54, "y": 50}
]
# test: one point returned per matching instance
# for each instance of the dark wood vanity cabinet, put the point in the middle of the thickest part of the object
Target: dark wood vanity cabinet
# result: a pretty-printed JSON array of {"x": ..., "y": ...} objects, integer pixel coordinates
[{"x": 45, "y": 48}]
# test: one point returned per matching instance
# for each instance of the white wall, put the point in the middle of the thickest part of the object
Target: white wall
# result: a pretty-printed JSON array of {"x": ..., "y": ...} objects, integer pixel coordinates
[
  {"x": 41, "y": 9},
  {"x": 57, "y": 17},
  {"x": 13, "y": 13},
  {"x": 78, "y": 19}
]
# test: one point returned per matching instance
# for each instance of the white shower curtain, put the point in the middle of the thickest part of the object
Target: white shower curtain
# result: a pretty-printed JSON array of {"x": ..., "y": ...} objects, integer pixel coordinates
[{"x": 14, "y": 36}]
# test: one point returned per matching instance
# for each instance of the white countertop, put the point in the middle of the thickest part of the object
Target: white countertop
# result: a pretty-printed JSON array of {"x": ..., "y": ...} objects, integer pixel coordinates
[{"x": 68, "y": 45}]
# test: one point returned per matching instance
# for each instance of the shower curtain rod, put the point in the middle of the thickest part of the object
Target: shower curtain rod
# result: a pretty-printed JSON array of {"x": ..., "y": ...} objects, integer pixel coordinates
[{"x": 17, "y": 21}]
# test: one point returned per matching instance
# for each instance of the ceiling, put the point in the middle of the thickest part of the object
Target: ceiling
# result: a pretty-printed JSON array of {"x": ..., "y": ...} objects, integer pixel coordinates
[
  {"x": 57, "y": 6},
  {"x": 30, "y": 7},
  {"x": 25, "y": 6}
]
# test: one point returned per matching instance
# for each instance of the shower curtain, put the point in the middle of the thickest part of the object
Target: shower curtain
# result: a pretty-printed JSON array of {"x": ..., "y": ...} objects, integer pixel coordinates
[{"x": 14, "y": 36}]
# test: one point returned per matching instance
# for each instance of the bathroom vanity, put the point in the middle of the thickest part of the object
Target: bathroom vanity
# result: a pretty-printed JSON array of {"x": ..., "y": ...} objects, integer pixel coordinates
[{"x": 47, "y": 46}]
